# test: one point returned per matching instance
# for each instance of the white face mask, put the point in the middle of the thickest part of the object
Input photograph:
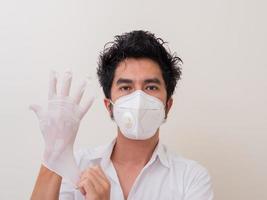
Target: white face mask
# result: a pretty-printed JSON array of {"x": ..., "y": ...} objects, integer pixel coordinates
[{"x": 138, "y": 115}]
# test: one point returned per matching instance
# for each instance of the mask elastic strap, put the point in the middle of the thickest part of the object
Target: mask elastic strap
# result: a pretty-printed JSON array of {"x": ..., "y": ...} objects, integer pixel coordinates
[{"x": 111, "y": 102}]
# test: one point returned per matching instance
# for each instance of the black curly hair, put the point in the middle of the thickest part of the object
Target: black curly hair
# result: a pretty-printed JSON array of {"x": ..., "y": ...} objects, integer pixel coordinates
[{"x": 138, "y": 44}]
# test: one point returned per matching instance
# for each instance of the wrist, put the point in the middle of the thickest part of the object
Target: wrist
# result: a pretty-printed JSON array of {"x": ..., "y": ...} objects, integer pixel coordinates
[
  {"x": 49, "y": 175},
  {"x": 56, "y": 154},
  {"x": 63, "y": 164}
]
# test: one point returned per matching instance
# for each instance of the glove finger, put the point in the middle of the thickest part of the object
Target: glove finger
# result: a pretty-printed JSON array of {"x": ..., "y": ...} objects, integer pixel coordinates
[
  {"x": 52, "y": 91},
  {"x": 86, "y": 106},
  {"x": 36, "y": 109},
  {"x": 80, "y": 92},
  {"x": 66, "y": 83}
]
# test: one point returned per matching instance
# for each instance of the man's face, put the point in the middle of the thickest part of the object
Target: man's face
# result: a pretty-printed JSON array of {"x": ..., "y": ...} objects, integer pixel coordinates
[{"x": 138, "y": 74}]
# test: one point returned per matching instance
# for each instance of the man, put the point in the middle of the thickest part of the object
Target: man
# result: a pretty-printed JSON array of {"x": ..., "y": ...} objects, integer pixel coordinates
[{"x": 138, "y": 76}]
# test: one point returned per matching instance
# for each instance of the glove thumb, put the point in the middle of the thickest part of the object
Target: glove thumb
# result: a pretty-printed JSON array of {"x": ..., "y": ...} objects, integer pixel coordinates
[{"x": 36, "y": 109}]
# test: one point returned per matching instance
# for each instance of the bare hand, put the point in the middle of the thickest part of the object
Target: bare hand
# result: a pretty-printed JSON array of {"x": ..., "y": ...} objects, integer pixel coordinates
[{"x": 94, "y": 184}]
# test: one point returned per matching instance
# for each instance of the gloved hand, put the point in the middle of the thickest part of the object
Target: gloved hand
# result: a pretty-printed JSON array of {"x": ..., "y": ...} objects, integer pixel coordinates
[{"x": 59, "y": 124}]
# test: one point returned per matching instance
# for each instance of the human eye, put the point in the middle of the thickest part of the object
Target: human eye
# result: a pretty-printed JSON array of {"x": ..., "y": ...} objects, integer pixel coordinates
[
  {"x": 152, "y": 87},
  {"x": 125, "y": 88}
]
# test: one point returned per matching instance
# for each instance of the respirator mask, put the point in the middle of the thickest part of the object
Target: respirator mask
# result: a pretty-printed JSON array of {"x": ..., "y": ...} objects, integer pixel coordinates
[{"x": 138, "y": 115}]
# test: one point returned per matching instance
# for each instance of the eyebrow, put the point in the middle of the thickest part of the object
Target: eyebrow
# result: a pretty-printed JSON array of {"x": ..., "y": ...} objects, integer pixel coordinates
[
  {"x": 153, "y": 80},
  {"x": 123, "y": 80},
  {"x": 129, "y": 81}
]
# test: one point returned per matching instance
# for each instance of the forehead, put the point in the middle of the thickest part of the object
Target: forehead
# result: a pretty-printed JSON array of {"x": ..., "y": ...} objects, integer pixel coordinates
[{"x": 138, "y": 69}]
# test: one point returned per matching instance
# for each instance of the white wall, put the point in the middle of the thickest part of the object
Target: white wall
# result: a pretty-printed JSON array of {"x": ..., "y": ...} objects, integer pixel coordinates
[{"x": 219, "y": 116}]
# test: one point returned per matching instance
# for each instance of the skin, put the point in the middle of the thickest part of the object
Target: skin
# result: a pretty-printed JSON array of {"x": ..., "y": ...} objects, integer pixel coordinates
[
  {"x": 47, "y": 185},
  {"x": 128, "y": 156},
  {"x": 94, "y": 184}
]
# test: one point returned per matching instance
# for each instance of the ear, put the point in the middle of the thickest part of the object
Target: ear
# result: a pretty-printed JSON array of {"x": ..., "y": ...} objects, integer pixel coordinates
[
  {"x": 107, "y": 105},
  {"x": 169, "y": 105}
]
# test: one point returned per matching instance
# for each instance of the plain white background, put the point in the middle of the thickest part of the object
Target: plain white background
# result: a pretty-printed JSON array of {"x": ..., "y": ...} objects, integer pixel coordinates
[{"x": 219, "y": 117}]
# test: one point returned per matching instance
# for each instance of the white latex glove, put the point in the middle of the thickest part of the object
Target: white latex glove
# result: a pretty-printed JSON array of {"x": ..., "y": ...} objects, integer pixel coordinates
[{"x": 59, "y": 124}]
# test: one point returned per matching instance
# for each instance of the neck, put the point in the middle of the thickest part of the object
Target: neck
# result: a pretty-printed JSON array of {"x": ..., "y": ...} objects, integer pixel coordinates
[{"x": 133, "y": 152}]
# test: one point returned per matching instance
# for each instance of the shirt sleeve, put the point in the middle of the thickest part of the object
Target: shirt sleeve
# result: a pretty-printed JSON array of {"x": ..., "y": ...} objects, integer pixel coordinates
[{"x": 198, "y": 185}]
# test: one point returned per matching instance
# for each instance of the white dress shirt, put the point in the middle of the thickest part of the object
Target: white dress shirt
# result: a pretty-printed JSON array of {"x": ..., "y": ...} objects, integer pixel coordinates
[{"x": 165, "y": 177}]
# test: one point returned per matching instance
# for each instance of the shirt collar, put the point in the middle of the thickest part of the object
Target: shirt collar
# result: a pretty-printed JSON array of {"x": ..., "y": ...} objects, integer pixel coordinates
[
  {"x": 107, "y": 153},
  {"x": 160, "y": 152},
  {"x": 104, "y": 154}
]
